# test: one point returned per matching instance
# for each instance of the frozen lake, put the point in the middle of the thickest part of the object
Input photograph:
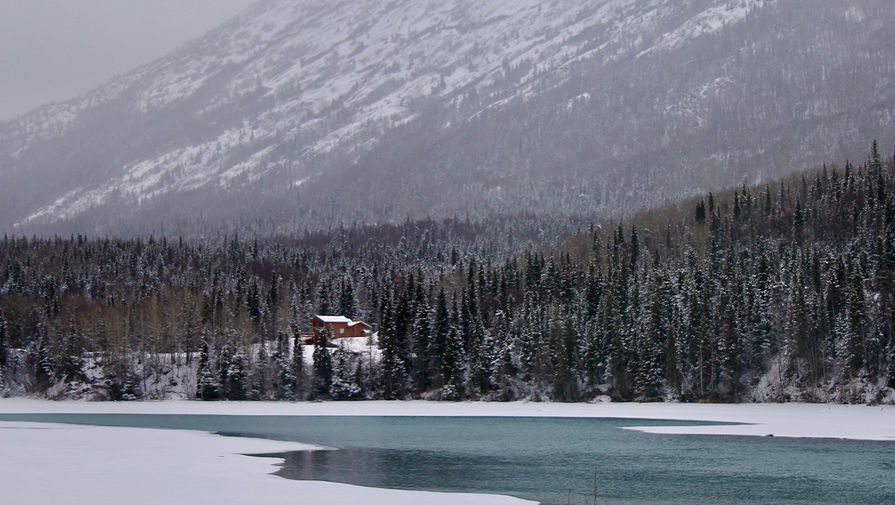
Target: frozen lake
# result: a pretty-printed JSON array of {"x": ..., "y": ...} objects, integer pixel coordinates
[{"x": 543, "y": 459}]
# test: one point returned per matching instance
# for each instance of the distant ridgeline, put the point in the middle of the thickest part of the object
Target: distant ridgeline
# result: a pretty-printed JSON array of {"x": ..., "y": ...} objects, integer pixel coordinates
[{"x": 784, "y": 291}]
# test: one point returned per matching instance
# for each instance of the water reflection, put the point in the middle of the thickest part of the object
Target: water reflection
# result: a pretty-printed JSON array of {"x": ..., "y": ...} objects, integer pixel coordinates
[{"x": 428, "y": 470}]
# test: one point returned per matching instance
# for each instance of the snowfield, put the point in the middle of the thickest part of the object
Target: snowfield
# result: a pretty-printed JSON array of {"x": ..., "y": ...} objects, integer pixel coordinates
[{"x": 54, "y": 463}]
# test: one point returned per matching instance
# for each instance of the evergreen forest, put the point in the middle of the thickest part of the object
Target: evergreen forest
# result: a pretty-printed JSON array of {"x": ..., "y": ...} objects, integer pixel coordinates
[{"x": 784, "y": 291}]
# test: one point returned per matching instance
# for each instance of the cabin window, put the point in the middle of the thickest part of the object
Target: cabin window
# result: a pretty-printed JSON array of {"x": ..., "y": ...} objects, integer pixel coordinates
[{"x": 341, "y": 330}]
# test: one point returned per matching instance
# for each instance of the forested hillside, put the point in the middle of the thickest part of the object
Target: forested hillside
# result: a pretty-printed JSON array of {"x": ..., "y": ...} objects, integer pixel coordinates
[{"x": 783, "y": 291}]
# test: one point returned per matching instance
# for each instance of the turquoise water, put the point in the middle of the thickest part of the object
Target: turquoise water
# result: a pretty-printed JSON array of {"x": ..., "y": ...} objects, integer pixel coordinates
[{"x": 543, "y": 459}]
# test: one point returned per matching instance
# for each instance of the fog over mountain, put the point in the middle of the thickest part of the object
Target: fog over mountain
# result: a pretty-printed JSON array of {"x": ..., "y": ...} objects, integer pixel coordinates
[
  {"x": 300, "y": 114},
  {"x": 52, "y": 50}
]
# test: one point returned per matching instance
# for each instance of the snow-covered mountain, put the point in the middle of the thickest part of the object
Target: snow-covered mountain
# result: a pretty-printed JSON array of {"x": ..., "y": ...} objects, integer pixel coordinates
[{"x": 302, "y": 113}]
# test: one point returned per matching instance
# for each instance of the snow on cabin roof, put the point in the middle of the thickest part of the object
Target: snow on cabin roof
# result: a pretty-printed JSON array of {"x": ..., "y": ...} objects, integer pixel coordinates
[
  {"x": 333, "y": 319},
  {"x": 354, "y": 323}
]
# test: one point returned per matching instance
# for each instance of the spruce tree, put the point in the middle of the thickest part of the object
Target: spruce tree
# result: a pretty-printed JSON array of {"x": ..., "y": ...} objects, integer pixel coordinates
[
  {"x": 347, "y": 300},
  {"x": 237, "y": 376},
  {"x": 225, "y": 355},
  {"x": 441, "y": 330},
  {"x": 699, "y": 216},
  {"x": 298, "y": 367},
  {"x": 323, "y": 368},
  {"x": 856, "y": 322},
  {"x": 421, "y": 338},
  {"x": 563, "y": 340},
  {"x": 654, "y": 338},
  {"x": 890, "y": 372},
  {"x": 593, "y": 351},
  {"x": 729, "y": 354},
  {"x": 617, "y": 362},
  {"x": 261, "y": 383},
  {"x": 324, "y": 292},
  {"x": 528, "y": 342},
  {"x": 4, "y": 350},
  {"x": 344, "y": 385},
  {"x": 3, "y": 356},
  {"x": 481, "y": 360},
  {"x": 393, "y": 372},
  {"x": 207, "y": 385},
  {"x": 453, "y": 366}
]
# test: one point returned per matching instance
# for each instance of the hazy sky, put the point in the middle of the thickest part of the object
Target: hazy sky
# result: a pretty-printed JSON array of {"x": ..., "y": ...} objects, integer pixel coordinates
[{"x": 51, "y": 50}]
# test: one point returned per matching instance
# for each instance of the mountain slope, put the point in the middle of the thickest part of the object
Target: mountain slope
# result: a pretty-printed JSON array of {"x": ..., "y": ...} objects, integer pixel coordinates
[{"x": 300, "y": 114}]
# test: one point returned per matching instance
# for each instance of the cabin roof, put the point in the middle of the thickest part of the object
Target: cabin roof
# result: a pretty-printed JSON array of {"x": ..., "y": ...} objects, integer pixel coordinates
[{"x": 334, "y": 319}]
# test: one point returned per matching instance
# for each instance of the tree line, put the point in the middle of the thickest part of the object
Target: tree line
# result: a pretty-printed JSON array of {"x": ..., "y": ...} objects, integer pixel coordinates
[{"x": 776, "y": 292}]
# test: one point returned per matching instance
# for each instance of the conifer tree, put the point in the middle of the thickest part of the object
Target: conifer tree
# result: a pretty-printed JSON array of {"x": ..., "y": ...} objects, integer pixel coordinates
[
  {"x": 3, "y": 355},
  {"x": 347, "y": 300},
  {"x": 700, "y": 212},
  {"x": 224, "y": 357},
  {"x": 453, "y": 366},
  {"x": 481, "y": 360},
  {"x": 650, "y": 373},
  {"x": 208, "y": 387},
  {"x": 856, "y": 321},
  {"x": 729, "y": 354},
  {"x": 298, "y": 366},
  {"x": 344, "y": 386},
  {"x": 283, "y": 379},
  {"x": 563, "y": 340},
  {"x": 890, "y": 372},
  {"x": 262, "y": 377},
  {"x": 323, "y": 368},
  {"x": 323, "y": 298},
  {"x": 421, "y": 334},
  {"x": 529, "y": 342},
  {"x": 393, "y": 373},
  {"x": 4, "y": 350},
  {"x": 593, "y": 351},
  {"x": 616, "y": 369},
  {"x": 237, "y": 376},
  {"x": 441, "y": 330}
]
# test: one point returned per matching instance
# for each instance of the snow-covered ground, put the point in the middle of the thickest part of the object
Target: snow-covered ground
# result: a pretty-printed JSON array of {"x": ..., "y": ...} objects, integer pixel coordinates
[
  {"x": 54, "y": 463},
  {"x": 857, "y": 422}
]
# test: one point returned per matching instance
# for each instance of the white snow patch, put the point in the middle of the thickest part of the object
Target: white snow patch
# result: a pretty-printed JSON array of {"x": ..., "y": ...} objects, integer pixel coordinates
[
  {"x": 333, "y": 319},
  {"x": 854, "y": 14},
  {"x": 246, "y": 166},
  {"x": 708, "y": 21},
  {"x": 52, "y": 463}
]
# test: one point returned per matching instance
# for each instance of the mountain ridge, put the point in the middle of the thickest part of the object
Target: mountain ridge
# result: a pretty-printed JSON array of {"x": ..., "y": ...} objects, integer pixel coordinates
[{"x": 267, "y": 116}]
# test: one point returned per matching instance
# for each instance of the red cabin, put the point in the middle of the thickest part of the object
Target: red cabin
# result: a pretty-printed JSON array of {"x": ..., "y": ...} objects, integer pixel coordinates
[{"x": 340, "y": 327}]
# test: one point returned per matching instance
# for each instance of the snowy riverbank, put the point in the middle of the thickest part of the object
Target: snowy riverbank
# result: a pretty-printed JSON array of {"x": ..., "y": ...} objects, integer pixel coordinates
[
  {"x": 55, "y": 463},
  {"x": 857, "y": 422}
]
